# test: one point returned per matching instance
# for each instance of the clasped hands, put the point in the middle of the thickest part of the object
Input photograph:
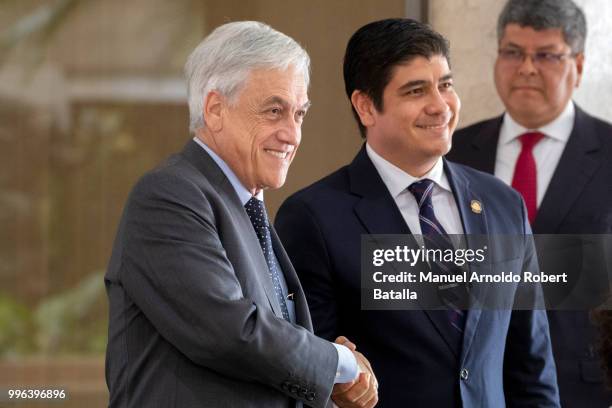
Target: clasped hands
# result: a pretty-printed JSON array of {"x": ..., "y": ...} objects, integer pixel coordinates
[{"x": 361, "y": 392}]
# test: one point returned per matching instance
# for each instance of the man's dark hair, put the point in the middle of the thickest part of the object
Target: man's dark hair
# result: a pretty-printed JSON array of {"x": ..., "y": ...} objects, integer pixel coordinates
[
  {"x": 544, "y": 15},
  {"x": 376, "y": 48}
]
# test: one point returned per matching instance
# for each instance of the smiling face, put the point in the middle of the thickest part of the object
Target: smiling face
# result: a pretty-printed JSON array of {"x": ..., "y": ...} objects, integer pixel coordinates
[
  {"x": 420, "y": 112},
  {"x": 258, "y": 134},
  {"x": 536, "y": 95}
]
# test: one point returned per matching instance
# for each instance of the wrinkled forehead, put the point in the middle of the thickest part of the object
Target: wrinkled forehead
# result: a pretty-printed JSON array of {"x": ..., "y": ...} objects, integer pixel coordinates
[{"x": 276, "y": 84}]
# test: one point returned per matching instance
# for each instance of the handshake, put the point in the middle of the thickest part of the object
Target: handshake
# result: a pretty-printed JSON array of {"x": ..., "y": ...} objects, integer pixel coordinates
[{"x": 362, "y": 392}]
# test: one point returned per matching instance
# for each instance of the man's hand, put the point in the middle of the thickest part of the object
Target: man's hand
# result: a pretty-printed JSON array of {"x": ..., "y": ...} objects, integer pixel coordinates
[{"x": 361, "y": 392}]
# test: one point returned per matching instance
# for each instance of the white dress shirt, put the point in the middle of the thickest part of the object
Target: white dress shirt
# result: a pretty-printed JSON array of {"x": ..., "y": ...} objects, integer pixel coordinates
[
  {"x": 546, "y": 153},
  {"x": 443, "y": 200}
]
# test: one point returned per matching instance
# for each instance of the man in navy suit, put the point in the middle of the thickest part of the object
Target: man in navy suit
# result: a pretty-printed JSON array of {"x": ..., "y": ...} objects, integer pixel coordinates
[
  {"x": 556, "y": 155},
  {"x": 398, "y": 80}
]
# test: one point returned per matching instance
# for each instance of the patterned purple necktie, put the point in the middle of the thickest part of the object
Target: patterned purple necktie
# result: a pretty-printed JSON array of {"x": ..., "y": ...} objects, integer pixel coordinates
[
  {"x": 435, "y": 237},
  {"x": 256, "y": 211}
]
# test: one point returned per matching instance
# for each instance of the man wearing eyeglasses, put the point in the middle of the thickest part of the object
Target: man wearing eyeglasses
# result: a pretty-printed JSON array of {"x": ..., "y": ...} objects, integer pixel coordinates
[{"x": 555, "y": 154}]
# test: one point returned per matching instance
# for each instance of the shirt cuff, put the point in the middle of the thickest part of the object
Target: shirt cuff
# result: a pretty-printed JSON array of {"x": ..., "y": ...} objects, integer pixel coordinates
[{"x": 347, "y": 369}]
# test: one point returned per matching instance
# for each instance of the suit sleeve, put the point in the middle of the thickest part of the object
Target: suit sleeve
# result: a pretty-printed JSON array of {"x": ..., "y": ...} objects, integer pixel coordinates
[
  {"x": 174, "y": 267},
  {"x": 530, "y": 378},
  {"x": 306, "y": 247}
]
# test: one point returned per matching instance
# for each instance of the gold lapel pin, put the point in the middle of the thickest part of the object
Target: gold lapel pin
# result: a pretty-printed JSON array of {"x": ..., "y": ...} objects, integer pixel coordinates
[{"x": 476, "y": 206}]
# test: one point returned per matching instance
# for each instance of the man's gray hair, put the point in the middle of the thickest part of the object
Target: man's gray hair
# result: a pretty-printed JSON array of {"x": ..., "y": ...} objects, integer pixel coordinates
[
  {"x": 224, "y": 59},
  {"x": 547, "y": 14}
]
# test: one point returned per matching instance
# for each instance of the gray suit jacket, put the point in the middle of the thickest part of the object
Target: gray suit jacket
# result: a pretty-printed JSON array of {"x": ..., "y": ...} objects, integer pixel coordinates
[{"x": 194, "y": 321}]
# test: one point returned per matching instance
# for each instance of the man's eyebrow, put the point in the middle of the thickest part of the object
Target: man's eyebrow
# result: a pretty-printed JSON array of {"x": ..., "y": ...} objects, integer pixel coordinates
[
  {"x": 283, "y": 102},
  {"x": 542, "y": 48},
  {"x": 551, "y": 47},
  {"x": 412, "y": 84},
  {"x": 275, "y": 100},
  {"x": 421, "y": 82}
]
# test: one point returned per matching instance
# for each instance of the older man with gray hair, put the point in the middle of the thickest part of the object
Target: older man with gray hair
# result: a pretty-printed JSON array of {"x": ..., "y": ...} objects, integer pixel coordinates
[
  {"x": 205, "y": 307},
  {"x": 556, "y": 155}
]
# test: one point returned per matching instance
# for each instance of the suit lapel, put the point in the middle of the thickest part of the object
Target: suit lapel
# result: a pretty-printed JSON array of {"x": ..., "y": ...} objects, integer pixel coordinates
[
  {"x": 577, "y": 165},
  {"x": 485, "y": 145},
  {"x": 379, "y": 214},
  {"x": 302, "y": 314},
  {"x": 474, "y": 224},
  {"x": 376, "y": 209},
  {"x": 201, "y": 160}
]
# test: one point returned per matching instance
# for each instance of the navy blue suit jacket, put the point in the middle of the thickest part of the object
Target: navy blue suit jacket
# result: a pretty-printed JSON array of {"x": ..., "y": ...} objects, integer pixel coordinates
[
  {"x": 505, "y": 356},
  {"x": 578, "y": 201}
]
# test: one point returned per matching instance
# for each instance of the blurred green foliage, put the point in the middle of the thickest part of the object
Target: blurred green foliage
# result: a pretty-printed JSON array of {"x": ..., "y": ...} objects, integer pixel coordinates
[
  {"x": 72, "y": 322},
  {"x": 16, "y": 327}
]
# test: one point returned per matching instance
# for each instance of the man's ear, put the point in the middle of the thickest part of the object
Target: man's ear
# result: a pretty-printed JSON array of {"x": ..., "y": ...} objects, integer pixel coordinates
[
  {"x": 365, "y": 108},
  {"x": 214, "y": 106},
  {"x": 579, "y": 66}
]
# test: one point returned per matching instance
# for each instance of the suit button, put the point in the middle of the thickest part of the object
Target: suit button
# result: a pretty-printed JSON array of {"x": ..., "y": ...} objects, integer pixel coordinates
[
  {"x": 311, "y": 396},
  {"x": 302, "y": 392},
  {"x": 464, "y": 374},
  {"x": 285, "y": 386},
  {"x": 294, "y": 388}
]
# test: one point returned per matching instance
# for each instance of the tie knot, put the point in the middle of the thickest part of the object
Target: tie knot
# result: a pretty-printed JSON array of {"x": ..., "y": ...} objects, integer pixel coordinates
[
  {"x": 421, "y": 190},
  {"x": 530, "y": 139},
  {"x": 256, "y": 211}
]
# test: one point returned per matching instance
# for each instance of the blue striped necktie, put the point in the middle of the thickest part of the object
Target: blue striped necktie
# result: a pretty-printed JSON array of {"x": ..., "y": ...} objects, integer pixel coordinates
[
  {"x": 256, "y": 211},
  {"x": 435, "y": 237}
]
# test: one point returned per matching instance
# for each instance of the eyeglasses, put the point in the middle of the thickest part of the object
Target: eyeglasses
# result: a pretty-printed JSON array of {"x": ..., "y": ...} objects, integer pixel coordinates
[{"x": 540, "y": 59}]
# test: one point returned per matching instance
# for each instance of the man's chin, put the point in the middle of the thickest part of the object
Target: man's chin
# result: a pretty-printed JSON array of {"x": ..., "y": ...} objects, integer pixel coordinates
[
  {"x": 525, "y": 106},
  {"x": 444, "y": 152},
  {"x": 442, "y": 148},
  {"x": 274, "y": 183}
]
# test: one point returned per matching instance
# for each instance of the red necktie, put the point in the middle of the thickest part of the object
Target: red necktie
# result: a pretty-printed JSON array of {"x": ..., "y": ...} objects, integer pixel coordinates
[{"x": 525, "y": 179}]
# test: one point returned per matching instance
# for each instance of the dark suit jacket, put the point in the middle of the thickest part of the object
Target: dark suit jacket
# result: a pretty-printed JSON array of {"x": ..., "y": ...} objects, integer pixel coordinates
[
  {"x": 194, "y": 321},
  {"x": 577, "y": 201},
  {"x": 506, "y": 355}
]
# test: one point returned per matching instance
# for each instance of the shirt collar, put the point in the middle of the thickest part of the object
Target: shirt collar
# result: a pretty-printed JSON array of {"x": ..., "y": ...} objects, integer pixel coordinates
[
  {"x": 243, "y": 194},
  {"x": 397, "y": 180},
  {"x": 559, "y": 129}
]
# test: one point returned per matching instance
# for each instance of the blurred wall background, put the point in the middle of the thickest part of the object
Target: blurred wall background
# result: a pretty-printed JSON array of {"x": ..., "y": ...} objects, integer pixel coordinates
[{"x": 92, "y": 96}]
